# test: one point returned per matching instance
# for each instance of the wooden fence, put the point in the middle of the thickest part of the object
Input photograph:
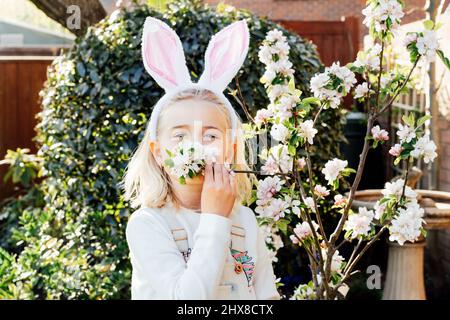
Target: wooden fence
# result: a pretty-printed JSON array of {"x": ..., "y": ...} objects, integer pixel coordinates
[
  {"x": 335, "y": 40},
  {"x": 21, "y": 79}
]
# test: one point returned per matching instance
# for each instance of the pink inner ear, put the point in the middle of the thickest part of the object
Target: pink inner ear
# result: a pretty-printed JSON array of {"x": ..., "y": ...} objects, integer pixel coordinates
[
  {"x": 226, "y": 50},
  {"x": 160, "y": 51}
]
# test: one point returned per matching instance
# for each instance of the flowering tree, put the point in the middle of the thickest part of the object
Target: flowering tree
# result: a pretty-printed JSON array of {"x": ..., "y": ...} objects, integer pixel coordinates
[{"x": 290, "y": 189}]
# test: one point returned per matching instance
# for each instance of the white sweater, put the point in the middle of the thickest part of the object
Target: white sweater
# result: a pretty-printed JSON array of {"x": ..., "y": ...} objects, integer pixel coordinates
[{"x": 188, "y": 255}]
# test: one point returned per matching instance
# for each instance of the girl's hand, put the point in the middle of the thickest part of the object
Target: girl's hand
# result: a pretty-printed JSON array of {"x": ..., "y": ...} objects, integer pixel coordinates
[{"x": 219, "y": 190}]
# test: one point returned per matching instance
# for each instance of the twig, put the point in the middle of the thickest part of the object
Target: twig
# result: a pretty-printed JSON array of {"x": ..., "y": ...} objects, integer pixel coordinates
[
  {"x": 319, "y": 219},
  {"x": 366, "y": 247},
  {"x": 379, "y": 76},
  {"x": 242, "y": 104},
  {"x": 400, "y": 90}
]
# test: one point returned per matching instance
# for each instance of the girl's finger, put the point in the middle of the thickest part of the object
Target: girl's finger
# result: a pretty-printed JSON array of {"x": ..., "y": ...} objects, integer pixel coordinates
[
  {"x": 233, "y": 183},
  {"x": 218, "y": 174},
  {"x": 225, "y": 177},
  {"x": 209, "y": 177}
]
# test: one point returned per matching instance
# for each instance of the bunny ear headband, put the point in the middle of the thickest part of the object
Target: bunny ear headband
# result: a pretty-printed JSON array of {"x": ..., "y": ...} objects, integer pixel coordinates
[{"x": 164, "y": 60}]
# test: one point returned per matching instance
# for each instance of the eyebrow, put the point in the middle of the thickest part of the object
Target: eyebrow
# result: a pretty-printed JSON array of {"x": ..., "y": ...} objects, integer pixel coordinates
[{"x": 187, "y": 126}]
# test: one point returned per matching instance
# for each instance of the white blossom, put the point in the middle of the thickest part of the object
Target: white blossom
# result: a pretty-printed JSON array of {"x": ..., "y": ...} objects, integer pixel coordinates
[
  {"x": 359, "y": 223},
  {"x": 279, "y": 132},
  {"x": 426, "y": 148},
  {"x": 361, "y": 90},
  {"x": 427, "y": 44},
  {"x": 276, "y": 209},
  {"x": 333, "y": 168},
  {"x": 320, "y": 84},
  {"x": 307, "y": 130},
  {"x": 278, "y": 160},
  {"x": 368, "y": 60},
  {"x": 268, "y": 187},
  {"x": 379, "y": 134},
  {"x": 189, "y": 157},
  {"x": 275, "y": 35},
  {"x": 410, "y": 38},
  {"x": 378, "y": 12},
  {"x": 262, "y": 116},
  {"x": 405, "y": 133},
  {"x": 396, "y": 150},
  {"x": 407, "y": 225},
  {"x": 301, "y": 163},
  {"x": 276, "y": 91},
  {"x": 309, "y": 201},
  {"x": 339, "y": 200},
  {"x": 303, "y": 231},
  {"x": 321, "y": 191},
  {"x": 396, "y": 188}
]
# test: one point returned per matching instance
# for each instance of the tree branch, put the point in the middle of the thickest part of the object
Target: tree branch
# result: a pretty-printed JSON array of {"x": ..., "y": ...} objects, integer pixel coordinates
[{"x": 92, "y": 11}]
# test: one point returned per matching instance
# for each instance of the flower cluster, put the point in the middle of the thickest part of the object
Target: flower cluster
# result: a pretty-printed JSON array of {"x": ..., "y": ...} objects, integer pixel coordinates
[
  {"x": 359, "y": 224},
  {"x": 287, "y": 120},
  {"x": 274, "y": 54},
  {"x": 304, "y": 292},
  {"x": 188, "y": 159},
  {"x": 378, "y": 135},
  {"x": 271, "y": 203},
  {"x": 407, "y": 225},
  {"x": 399, "y": 206},
  {"x": 369, "y": 60},
  {"x": 303, "y": 232},
  {"x": 424, "y": 43},
  {"x": 332, "y": 85},
  {"x": 383, "y": 16},
  {"x": 277, "y": 160},
  {"x": 413, "y": 142},
  {"x": 334, "y": 169},
  {"x": 273, "y": 240}
]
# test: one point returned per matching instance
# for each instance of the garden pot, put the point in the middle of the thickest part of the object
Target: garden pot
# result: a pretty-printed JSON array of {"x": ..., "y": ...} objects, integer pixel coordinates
[{"x": 405, "y": 271}]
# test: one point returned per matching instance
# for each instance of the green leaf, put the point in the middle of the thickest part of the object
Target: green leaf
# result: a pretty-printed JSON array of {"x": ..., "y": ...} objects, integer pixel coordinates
[
  {"x": 423, "y": 232},
  {"x": 422, "y": 120},
  {"x": 409, "y": 119},
  {"x": 292, "y": 150},
  {"x": 169, "y": 163},
  {"x": 428, "y": 24},
  {"x": 291, "y": 85},
  {"x": 282, "y": 225},
  {"x": 311, "y": 100},
  {"x": 169, "y": 153},
  {"x": 444, "y": 59}
]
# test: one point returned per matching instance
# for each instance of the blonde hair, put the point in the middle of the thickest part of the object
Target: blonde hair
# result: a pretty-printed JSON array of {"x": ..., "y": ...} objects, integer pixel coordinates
[{"x": 147, "y": 184}]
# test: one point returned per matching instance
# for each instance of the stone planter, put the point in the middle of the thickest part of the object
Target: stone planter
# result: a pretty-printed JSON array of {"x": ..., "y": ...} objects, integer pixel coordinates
[{"x": 404, "y": 276}]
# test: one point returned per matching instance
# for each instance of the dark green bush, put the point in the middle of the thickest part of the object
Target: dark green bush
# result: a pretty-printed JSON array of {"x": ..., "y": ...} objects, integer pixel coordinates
[{"x": 96, "y": 102}]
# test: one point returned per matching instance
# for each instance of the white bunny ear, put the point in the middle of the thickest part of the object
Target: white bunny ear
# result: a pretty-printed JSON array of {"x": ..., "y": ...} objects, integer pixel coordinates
[
  {"x": 225, "y": 55},
  {"x": 163, "y": 55}
]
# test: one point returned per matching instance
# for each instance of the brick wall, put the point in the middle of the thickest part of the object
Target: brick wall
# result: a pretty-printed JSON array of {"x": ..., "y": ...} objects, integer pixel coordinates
[{"x": 313, "y": 10}]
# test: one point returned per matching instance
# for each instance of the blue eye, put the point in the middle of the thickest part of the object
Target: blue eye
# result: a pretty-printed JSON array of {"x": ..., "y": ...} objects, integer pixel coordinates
[
  {"x": 210, "y": 137},
  {"x": 179, "y": 136}
]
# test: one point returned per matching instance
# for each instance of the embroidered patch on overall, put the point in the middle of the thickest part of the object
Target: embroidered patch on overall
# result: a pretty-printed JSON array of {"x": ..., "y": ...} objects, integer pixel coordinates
[{"x": 243, "y": 263}]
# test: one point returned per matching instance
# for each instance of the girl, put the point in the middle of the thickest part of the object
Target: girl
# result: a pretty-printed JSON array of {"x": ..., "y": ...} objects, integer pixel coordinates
[{"x": 194, "y": 240}]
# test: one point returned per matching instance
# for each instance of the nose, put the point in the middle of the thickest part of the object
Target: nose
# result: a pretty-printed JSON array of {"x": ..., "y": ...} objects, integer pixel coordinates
[{"x": 197, "y": 134}]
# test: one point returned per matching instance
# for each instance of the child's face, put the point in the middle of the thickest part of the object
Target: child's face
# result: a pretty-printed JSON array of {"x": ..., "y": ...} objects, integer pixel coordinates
[{"x": 195, "y": 120}]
